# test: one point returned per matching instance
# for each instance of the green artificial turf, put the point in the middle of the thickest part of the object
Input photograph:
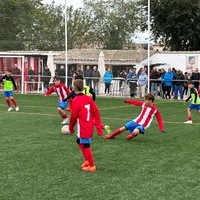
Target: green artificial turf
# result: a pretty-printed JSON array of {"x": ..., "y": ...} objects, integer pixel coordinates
[{"x": 37, "y": 162}]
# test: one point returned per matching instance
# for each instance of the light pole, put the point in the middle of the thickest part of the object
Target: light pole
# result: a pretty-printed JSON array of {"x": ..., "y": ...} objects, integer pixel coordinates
[
  {"x": 66, "y": 67},
  {"x": 148, "y": 60}
]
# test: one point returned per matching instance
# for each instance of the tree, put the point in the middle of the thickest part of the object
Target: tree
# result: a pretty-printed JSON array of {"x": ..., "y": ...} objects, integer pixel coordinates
[
  {"x": 113, "y": 22},
  {"x": 45, "y": 29},
  {"x": 13, "y": 13},
  {"x": 176, "y": 23}
]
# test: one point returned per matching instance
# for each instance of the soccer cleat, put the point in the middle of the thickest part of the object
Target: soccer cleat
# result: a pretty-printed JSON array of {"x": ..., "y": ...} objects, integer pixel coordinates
[
  {"x": 130, "y": 136},
  {"x": 89, "y": 168},
  {"x": 17, "y": 109},
  {"x": 9, "y": 109},
  {"x": 107, "y": 129},
  {"x": 188, "y": 122},
  {"x": 85, "y": 164},
  {"x": 108, "y": 137},
  {"x": 65, "y": 121}
]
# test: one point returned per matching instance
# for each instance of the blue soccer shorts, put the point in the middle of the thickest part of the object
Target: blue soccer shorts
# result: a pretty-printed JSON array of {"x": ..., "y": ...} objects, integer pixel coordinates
[
  {"x": 194, "y": 106},
  {"x": 131, "y": 126},
  {"x": 85, "y": 141},
  {"x": 63, "y": 105},
  {"x": 8, "y": 93}
]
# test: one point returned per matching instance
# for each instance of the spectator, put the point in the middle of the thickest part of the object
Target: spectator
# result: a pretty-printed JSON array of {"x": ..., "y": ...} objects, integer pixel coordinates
[
  {"x": 122, "y": 75},
  {"x": 163, "y": 88},
  {"x": 17, "y": 76},
  {"x": 185, "y": 84},
  {"x": 61, "y": 74},
  {"x": 142, "y": 83},
  {"x": 107, "y": 78},
  {"x": 31, "y": 79},
  {"x": 154, "y": 76},
  {"x": 46, "y": 77},
  {"x": 168, "y": 78},
  {"x": 79, "y": 71},
  {"x": 87, "y": 75},
  {"x": 95, "y": 79},
  {"x": 178, "y": 84},
  {"x": 195, "y": 78}
]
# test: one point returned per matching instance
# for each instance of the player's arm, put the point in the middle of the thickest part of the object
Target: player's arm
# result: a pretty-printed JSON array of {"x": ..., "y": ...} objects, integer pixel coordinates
[
  {"x": 160, "y": 121},
  {"x": 97, "y": 117},
  {"x": 70, "y": 96},
  {"x": 49, "y": 91},
  {"x": 73, "y": 118},
  {"x": 91, "y": 91},
  {"x": 134, "y": 102},
  {"x": 14, "y": 84}
]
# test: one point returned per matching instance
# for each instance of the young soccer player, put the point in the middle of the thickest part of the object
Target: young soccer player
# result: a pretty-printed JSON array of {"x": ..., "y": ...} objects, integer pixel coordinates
[
  {"x": 195, "y": 102},
  {"x": 89, "y": 92},
  {"x": 83, "y": 113},
  {"x": 143, "y": 121},
  {"x": 62, "y": 92},
  {"x": 9, "y": 85}
]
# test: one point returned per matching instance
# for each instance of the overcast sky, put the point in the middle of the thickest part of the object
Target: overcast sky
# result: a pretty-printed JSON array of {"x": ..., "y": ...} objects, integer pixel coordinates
[{"x": 75, "y": 3}]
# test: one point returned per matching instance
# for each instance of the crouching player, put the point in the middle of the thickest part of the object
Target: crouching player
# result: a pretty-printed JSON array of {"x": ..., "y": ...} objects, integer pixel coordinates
[
  {"x": 83, "y": 113},
  {"x": 143, "y": 121}
]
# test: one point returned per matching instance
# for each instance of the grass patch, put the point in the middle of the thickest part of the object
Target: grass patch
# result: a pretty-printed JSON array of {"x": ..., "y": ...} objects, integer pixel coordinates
[{"x": 38, "y": 162}]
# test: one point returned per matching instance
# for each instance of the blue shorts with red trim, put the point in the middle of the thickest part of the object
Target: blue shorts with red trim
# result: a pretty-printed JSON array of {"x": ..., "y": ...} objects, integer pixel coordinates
[{"x": 131, "y": 126}]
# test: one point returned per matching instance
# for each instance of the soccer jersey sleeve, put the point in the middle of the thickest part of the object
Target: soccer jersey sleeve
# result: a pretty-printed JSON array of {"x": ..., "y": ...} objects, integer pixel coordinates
[{"x": 159, "y": 120}]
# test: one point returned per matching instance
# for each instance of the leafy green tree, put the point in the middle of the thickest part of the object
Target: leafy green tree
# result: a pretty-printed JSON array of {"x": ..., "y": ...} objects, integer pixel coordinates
[
  {"x": 13, "y": 14},
  {"x": 175, "y": 22},
  {"x": 45, "y": 30},
  {"x": 114, "y": 22}
]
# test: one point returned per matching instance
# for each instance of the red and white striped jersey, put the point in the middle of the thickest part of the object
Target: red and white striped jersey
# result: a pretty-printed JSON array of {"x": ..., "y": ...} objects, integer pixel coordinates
[
  {"x": 146, "y": 115},
  {"x": 61, "y": 90}
]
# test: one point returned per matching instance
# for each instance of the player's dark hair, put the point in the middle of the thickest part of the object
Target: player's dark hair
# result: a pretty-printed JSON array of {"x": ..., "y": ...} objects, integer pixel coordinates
[
  {"x": 79, "y": 76},
  {"x": 191, "y": 82},
  {"x": 56, "y": 78},
  {"x": 78, "y": 84},
  {"x": 150, "y": 97}
]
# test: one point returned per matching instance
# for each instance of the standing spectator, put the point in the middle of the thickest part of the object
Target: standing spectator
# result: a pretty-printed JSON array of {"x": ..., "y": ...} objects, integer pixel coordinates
[
  {"x": 154, "y": 76},
  {"x": 142, "y": 82},
  {"x": 107, "y": 78},
  {"x": 87, "y": 76},
  {"x": 95, "y": 79},
  {"x": 79, "y": 71},
  {"x": 17, "y": 76},
  {"x": 178, "y": 84},
  {"x": 62, "y": 92},
  {"x": 195, "y": 78},
  {"x": 83, "y": 113},
  {"x": 46, "y": 77},
  {"x": 9, "y": 85},
  {"x": 168, "y": 78},
  {"x": 61, "y": 74},
  {"x": 185, "y": 84},
  {"x": 31, "y": 79},
  {"x": 163, "y": 88},
  {"x": 132, "y": 81},
  {"x": 122, "y": 75}
]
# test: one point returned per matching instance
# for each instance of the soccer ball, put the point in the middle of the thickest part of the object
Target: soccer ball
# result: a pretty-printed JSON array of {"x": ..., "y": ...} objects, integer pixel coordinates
[{"x": 65, "y": 129}]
